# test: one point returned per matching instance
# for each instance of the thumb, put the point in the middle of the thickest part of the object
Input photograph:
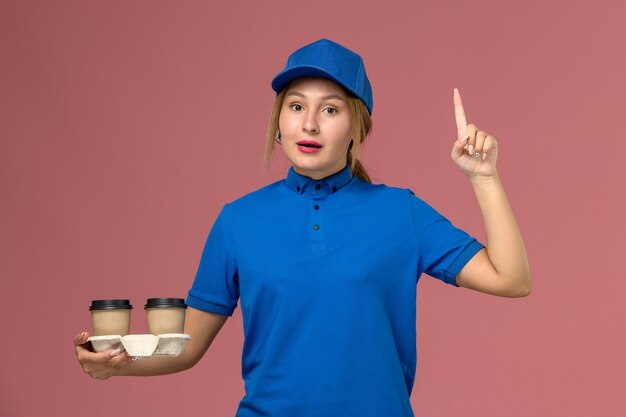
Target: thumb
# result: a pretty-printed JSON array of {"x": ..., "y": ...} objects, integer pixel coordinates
[
  {"x": 458, "y": 148},
  {"x": 81, "y": 338}
]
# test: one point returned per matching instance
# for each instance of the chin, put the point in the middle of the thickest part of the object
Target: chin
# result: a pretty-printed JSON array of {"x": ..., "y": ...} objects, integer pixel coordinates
[
  {"x": 307, "y": 165},
  {"x": 308, "y": 169}
]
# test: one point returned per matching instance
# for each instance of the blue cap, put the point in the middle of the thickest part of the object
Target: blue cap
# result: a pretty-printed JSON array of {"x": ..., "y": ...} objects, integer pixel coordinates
[{"x": 328, "y": 59}]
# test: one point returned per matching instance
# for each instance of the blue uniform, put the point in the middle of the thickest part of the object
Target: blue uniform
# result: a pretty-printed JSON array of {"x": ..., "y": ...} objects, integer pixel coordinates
[{"x": 326, "y": 273}]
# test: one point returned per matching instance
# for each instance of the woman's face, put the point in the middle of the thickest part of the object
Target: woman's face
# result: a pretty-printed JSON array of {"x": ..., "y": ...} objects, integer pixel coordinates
[{"x": 315, "y": 126}]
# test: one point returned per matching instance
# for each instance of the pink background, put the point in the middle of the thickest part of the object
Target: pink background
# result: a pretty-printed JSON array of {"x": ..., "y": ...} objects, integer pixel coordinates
[{"x": 125, "y": 126}]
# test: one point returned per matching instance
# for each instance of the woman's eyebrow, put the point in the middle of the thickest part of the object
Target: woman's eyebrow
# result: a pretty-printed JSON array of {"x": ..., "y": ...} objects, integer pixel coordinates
[{"x": 295, "y": 93}]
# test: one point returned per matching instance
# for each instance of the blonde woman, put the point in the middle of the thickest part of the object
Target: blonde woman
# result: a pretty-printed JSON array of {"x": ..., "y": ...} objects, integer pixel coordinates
[{"x": 325, "y": 264}]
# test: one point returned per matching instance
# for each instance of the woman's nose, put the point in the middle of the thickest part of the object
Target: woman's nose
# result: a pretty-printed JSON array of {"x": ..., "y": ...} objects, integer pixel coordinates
[{"x": 310, "y": 123}]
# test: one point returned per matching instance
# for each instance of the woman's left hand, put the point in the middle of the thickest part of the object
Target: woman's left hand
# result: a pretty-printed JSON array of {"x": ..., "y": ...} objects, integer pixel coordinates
[{"x": 475, "y": 151}]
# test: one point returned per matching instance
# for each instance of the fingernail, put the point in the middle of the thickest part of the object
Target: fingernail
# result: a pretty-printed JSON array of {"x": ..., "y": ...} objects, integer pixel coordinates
[{"x": 116, "y": 352}]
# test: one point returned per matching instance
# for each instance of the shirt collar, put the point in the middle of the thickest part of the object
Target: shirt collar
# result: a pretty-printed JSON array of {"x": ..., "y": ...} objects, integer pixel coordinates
[{"x": 336, "y": 181}]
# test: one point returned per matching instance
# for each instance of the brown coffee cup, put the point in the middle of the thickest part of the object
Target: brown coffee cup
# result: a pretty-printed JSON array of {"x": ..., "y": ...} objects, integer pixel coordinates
[
  {"x": 165, "y": 315},
  {"x": 110, "y": 317}
]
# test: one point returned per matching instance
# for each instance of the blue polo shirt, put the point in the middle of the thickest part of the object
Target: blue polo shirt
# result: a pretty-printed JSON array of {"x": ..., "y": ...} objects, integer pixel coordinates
[{"x": 326, "y": 273}]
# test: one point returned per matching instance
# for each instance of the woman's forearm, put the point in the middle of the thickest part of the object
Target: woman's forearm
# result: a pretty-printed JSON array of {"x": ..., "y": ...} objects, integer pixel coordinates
[
  {"x": 203, "y": 327},
  {"x": 155, "y": 365}
]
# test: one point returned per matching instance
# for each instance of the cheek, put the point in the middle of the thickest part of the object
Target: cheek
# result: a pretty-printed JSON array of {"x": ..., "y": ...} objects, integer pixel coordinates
[
  {"x": 285, "y": 124},
  {"x": 280, "y": 121},
  {"x": 347, "y": 133}
]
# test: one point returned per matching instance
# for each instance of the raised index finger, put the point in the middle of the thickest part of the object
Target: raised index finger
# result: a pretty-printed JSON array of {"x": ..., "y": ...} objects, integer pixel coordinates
[{"x": 459, "y": 114}]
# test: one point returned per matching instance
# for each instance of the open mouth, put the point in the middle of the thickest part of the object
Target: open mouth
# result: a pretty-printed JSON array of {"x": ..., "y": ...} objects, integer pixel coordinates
[{"x": 311, "y": 144}]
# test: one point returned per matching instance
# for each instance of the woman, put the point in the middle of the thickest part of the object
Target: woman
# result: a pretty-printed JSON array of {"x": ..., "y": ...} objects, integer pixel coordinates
[{"x": 326, "y": 263}]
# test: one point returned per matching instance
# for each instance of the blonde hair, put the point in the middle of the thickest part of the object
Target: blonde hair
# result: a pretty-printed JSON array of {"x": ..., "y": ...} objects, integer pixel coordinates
[{"x": 361, "y": 128}]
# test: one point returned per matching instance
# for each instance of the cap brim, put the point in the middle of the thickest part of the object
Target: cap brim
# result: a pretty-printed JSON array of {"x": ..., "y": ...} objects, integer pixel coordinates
[{"x": 284, "y": 78}]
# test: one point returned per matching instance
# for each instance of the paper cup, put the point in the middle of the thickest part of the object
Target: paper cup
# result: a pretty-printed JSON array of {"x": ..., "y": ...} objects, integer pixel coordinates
[
  {"x": 165, "y": 315},
  {"x": 110, "y": 317}
]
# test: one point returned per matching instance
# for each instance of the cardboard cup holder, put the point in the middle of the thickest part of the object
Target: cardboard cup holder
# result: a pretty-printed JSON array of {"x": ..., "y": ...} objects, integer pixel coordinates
[{"x": 142, "y": 345}]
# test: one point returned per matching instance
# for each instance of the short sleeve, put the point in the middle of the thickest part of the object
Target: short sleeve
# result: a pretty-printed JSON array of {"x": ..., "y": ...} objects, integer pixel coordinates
[
  {"x": 443, "y": 248},
  {"x": 216, "y": 286}
]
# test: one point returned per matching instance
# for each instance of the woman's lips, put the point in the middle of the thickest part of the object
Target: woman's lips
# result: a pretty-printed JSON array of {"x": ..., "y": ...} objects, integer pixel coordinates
[
  {"x": 308, "y": 146},
  {"x": 308, "y": 149}
]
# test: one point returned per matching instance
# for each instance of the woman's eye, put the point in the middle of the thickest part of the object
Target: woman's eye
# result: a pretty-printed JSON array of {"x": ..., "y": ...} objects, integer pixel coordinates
[
  {"x": 296, "y": 107},
  {"x": 331, "y": 110}
]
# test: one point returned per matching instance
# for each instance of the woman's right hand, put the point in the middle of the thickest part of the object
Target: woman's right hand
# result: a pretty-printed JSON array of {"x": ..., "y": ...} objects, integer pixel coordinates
[
  {"x": 99, "y": 365},
  {"x": 200, "y": 325}
]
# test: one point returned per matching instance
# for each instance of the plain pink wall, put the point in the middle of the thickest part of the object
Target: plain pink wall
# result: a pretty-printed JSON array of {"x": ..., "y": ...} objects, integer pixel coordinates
[{"x": 125, "y": 126}]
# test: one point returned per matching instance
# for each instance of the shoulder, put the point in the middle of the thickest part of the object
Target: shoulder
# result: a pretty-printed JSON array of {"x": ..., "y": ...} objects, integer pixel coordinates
[
  {"x": 387, "y": 192},
  {"x": 403, "y": 199},
  {"x": 259, "y": 196},
  {"x": 392, "y": 198},
  {"x": 255, "y": 202}
]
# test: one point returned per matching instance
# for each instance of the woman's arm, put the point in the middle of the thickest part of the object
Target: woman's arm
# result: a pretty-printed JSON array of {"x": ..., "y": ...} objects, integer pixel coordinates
[
  {"x": 200, "y": 325},
  {"x": 502, "y": 268}
]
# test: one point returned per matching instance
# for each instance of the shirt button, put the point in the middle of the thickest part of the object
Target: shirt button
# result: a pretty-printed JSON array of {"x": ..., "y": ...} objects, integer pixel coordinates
[
  {"x": 317, "y": 186},
  {"x": 316, "y": 227},
  {"x": 316, "y": 207}
]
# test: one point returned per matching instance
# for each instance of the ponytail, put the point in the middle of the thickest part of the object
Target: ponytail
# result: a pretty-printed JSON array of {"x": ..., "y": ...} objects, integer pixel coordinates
[
  {"x": 359, "y": 171},
  {"x": 361, "y": 128}
]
